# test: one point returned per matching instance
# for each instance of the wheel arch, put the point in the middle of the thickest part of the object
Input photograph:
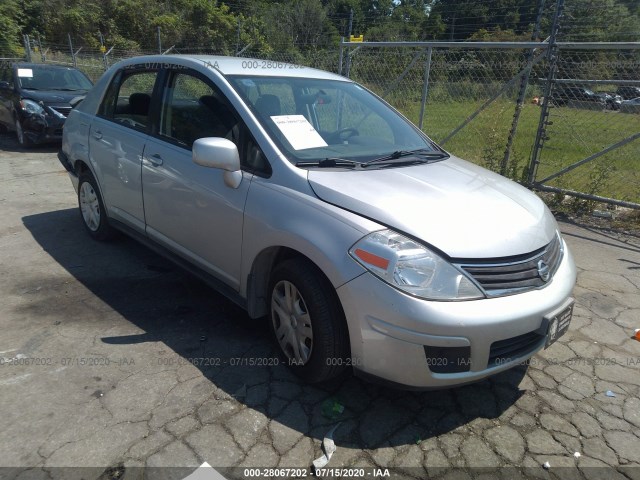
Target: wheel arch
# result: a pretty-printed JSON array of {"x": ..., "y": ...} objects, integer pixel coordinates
[{"x": 260, "y": 275}]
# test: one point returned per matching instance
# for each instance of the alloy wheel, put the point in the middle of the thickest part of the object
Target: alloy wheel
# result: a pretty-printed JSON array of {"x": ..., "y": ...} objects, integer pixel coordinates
[
  {"x": 89, "y": 206},
  {"x": 291, "y": 322}
]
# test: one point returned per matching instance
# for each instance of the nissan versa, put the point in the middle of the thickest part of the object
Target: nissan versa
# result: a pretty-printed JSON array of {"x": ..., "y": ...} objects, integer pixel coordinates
[{"x": 307, "y": 199}]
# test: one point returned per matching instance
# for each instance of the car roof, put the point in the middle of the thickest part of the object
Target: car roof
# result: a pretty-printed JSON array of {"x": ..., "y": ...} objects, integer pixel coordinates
[{"x": 239, "y": 66}]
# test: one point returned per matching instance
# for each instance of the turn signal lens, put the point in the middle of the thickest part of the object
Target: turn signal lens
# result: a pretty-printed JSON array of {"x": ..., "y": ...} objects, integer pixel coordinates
[{"x": 371, "y": 259}]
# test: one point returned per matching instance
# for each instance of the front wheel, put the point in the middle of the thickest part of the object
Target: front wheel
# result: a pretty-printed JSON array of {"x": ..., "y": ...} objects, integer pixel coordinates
[
  {"x": 308, "y": 322},
  {"x": 23, "y": 140},
  {"x": 92, "y": 209}
]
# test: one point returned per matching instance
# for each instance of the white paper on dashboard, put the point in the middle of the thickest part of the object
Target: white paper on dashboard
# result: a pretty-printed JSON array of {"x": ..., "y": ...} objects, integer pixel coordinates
[
  {"x": 25, "y": 72},
  {"x": 298, "y": 131}
]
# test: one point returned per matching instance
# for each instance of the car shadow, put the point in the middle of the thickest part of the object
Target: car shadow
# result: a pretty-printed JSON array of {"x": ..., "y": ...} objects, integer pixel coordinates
[
  {"x": 170, "y": 306},
  {"x": 9, "y": 143}
]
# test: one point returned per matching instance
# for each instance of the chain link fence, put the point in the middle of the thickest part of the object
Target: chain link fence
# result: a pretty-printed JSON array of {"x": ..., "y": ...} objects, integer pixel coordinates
[
  {"x": 591, "y": 134},
  {"x": 485, "y": 103},
  {"x": 463, "y": 96}
]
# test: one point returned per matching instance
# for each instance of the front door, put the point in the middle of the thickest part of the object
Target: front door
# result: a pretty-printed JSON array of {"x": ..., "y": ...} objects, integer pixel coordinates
[{"x": 188, "y": 208}]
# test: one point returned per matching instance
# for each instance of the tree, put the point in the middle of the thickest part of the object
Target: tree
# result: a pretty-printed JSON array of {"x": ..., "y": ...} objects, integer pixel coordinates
[{"x": 11, "y": 27}]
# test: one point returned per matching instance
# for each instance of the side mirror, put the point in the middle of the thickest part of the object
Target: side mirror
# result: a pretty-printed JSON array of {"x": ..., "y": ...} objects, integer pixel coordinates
[
  {"x": 5, "y": 86},
  {"x": 219, "y": 153}
]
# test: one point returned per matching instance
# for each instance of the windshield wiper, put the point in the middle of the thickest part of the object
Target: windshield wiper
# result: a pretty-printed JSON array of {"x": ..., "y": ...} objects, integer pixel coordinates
[
  {"x": 423, "y": 155},
  {"x": 64, "y": 89},
  {"x": 330, "y": 163}
]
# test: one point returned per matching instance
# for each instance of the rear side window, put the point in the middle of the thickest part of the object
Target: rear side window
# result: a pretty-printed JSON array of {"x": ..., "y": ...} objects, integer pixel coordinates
[{"x": 128, "y": 99}]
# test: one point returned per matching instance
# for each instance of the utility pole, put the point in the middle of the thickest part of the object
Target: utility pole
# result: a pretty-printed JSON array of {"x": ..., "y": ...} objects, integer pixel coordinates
[{"x": 159, "y": 41}]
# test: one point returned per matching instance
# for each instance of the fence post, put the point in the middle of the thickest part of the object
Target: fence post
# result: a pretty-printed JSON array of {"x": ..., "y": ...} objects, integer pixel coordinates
[
  {"x": 425, "y": 87},
  {"x": 27, "y": 47},
  {"x": 106, "y": 58},
  {"x": 552, "y": 56},
  {"x": 341, "y": 56},
  {"x": 159, "y": 40},
  {"x": 524, "y": 82},
  {"x": 43, "y": 54},
  {"x": 73, "y": 55},
  {"x": 238, "y": 37}
]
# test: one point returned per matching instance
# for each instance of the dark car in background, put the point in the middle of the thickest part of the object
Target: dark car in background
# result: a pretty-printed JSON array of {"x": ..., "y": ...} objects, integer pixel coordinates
[
  {"x": 35, "y": 100},
  {"x": 564, "y": 94}
]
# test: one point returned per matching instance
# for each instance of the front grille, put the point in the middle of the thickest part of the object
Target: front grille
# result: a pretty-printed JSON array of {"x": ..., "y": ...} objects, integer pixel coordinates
[
  {"x": 62, "y": 110},
  {"x": 515, "y": 274},
  {"x": 504, "y": 351}
]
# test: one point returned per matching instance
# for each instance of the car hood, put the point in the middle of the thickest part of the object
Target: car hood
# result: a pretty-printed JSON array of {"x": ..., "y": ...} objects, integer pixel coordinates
[
  {"x": 455, "y": 206},
  {"x": 52, "y": 97}
]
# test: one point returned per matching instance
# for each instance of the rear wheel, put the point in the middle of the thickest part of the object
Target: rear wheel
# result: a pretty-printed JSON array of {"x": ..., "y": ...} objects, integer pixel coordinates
[
  {"x": 308, "y": 322},
  {"x": 92, "y": 209}
]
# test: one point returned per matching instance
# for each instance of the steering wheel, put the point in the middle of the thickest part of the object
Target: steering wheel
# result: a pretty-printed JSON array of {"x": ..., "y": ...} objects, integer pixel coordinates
[{"x": 342, "y": 134}]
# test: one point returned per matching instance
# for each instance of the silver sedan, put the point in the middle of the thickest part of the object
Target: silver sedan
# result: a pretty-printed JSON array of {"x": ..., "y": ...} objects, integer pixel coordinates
[{"x": 311, "y": 202}]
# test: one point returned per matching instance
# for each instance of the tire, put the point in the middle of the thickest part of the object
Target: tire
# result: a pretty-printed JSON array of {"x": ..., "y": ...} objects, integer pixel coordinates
[
  {"x": 23, "y": 140},
  {"x": 315, "y": 339},
  {"x": 92, "y": 211}
]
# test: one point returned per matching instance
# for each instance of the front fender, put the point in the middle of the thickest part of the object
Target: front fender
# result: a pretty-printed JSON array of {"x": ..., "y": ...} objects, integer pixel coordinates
[{"x": 277, "y": 216}]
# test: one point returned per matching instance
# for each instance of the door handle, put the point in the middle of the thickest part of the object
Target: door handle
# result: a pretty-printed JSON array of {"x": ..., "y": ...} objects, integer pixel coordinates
[
  {"x": 97, "y": 134},
  {"x": 155, "y": 159}
]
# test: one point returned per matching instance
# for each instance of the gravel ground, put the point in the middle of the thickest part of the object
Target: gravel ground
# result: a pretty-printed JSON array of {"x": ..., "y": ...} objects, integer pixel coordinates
[{"x": 96, "y": 380}]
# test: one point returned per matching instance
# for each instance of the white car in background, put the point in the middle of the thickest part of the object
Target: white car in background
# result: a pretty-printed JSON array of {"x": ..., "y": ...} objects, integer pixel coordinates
[{"x": 630, "y": 106}]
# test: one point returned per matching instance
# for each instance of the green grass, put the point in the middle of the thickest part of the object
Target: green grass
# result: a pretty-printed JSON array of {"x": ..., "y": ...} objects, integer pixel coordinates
[{"x": 573, "y": 135}]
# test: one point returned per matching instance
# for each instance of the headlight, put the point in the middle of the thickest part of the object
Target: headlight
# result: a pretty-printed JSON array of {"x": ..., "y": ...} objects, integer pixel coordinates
[
  {"x": 30, "y": 106},
  {"x": 412, "y": 267}
]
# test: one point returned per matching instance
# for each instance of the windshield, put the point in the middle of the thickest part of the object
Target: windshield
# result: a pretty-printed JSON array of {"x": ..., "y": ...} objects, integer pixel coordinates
[
  {"x": 312, "y": 120},
  {"x": 63, "y": 79}
]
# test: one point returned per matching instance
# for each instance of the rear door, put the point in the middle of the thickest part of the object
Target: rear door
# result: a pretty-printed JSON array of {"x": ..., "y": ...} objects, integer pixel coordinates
[
  {"x": 188, "y": 208},
  {"x": 117, "y": 141}
]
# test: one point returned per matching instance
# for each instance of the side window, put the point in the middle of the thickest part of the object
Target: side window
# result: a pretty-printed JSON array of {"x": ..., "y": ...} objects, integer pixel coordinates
[
  {"x": 128, "y": 99},
  {"x": 192, "y": 109}
]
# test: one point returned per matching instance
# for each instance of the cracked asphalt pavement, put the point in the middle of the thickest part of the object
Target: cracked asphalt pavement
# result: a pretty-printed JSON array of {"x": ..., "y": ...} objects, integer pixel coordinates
[{"x": 97, "y": 377}]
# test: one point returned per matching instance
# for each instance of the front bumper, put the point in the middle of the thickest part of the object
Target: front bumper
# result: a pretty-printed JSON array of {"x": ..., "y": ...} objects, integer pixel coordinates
[
  {"x": 42, "y": 128},
  {"x": 399, "y": 338}
]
